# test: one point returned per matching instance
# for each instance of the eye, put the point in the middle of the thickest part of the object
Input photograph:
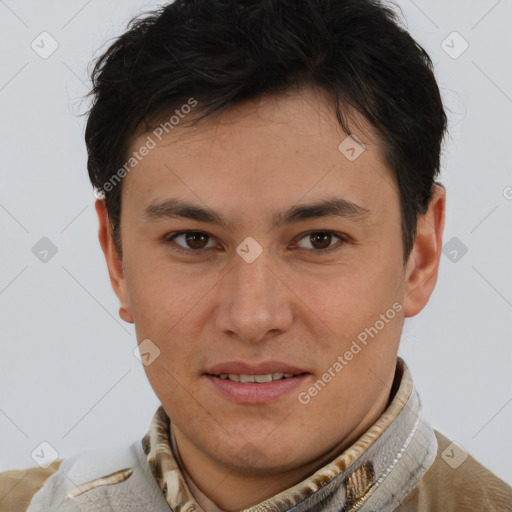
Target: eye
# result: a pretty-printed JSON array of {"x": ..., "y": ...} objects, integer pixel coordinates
[
  {"x": 321, "y": 240},
  {"x": 193, "y": 240}
]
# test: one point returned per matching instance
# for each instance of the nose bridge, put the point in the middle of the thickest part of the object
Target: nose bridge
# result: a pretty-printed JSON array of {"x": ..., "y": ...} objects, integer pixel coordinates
[{"x": 253, "y": 302}]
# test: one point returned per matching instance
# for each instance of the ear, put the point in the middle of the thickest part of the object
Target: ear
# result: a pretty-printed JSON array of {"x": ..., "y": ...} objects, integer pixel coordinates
[
  {"x": 114, "y": 262},
  {"x": 423, "y": 264}
]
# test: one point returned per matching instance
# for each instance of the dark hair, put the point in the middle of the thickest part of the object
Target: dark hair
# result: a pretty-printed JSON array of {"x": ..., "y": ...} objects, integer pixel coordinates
[{"x": 222, "y": 52}]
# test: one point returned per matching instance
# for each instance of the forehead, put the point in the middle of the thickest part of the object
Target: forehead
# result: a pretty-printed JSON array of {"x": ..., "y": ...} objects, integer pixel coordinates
[
  {"x": 273, "y": 149},
  {"x": 277, "y": 113}
]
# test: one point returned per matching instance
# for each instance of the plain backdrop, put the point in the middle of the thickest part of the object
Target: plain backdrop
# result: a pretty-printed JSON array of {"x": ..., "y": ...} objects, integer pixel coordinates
[{"x": 68, "y": 375}]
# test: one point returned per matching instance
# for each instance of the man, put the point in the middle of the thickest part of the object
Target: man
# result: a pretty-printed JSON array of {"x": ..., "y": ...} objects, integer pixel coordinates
[{"x": 269, "y": 215}]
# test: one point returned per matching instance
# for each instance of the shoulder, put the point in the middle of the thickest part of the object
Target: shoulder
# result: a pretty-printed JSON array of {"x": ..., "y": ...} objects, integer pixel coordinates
[
  {"x": 457, "y": 482},
  {"x": 23, "y": 490},
  {"x": 17, "y": 487},
  {"x": 97, "y": 480}
]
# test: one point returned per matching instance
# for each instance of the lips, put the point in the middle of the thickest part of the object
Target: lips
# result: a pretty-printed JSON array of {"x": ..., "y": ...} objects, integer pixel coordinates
[
  {"x": 261, "y": 383},
  {"x": 256, "y": 393},
  {"x": 264, "y": 368}
]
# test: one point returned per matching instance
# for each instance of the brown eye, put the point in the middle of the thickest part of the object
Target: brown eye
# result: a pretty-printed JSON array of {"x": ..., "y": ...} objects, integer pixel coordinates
[
  {"x": 196, "y": 240},
  {"x": 320, "y": 240},
  {"x": 190, "y": 241}
]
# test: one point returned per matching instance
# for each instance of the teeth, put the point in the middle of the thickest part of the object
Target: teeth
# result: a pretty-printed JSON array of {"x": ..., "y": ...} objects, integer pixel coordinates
[
  {"x": 268, "y": 377},
  {"x": 264, "y": 378}
]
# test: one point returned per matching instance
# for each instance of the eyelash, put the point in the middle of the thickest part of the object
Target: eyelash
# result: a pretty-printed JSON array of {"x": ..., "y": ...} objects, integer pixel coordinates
[{"x": 177, "y": 248}]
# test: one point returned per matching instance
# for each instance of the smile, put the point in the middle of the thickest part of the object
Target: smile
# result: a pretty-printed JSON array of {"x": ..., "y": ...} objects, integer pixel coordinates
[
  {"x": 258, "y": 379},
  {"x": 256, "y": 389}
]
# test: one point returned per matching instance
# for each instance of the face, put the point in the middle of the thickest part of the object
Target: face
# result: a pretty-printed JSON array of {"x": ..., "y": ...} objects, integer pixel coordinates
[{"x": 251, "y": 281}]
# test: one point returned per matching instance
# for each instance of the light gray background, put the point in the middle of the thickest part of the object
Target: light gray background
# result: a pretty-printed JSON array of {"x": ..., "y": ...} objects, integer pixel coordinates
[{"x": 68, "y": 375}]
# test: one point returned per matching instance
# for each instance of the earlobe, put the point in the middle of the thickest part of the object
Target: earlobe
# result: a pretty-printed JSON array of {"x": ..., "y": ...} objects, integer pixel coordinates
[
  {"x": 423, "y": 265},
  {"x": 114, "y": 262},
  {"x": 126, "y": 315}
]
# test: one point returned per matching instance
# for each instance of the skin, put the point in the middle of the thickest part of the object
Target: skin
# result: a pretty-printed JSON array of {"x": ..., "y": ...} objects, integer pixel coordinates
[{"x": 302, "y": 306}]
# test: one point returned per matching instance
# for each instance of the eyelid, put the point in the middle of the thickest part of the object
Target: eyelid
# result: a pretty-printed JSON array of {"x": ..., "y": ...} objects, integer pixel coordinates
[{"x": 344, "y": 239}]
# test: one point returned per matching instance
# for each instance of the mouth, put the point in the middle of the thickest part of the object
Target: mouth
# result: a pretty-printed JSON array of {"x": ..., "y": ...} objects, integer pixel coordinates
[
  {"x": 255, "y": 384},
  {"x": 256, "y": 379}
]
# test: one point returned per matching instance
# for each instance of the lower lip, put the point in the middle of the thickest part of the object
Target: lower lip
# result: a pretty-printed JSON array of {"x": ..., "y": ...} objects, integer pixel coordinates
[{"x": 251, "y": 393}]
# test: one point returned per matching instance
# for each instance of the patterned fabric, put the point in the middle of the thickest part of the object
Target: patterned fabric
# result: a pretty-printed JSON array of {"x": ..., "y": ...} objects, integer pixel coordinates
[{"x": 376, "y": 472}]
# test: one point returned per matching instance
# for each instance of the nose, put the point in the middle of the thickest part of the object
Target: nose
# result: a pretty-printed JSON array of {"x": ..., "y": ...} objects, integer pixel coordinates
[{"x": 255, "y": 303}]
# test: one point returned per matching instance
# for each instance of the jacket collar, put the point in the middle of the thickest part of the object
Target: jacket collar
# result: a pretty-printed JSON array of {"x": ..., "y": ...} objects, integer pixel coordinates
[{"x": 375, "y": 473}]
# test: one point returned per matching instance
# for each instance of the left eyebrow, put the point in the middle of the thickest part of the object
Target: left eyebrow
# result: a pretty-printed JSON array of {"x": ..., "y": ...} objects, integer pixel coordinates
[{"x": 332, "y": 207}]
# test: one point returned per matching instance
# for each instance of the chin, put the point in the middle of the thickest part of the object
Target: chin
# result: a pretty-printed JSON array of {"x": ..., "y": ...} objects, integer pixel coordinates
[{"x": 258, "y": 456}]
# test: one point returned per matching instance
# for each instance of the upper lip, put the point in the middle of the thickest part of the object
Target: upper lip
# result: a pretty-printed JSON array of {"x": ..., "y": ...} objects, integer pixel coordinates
[{"x": 244, "y": 368}]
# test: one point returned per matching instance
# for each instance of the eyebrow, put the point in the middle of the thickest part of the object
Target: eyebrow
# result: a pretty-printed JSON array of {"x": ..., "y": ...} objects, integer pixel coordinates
[{"x": 332, "y": 207}]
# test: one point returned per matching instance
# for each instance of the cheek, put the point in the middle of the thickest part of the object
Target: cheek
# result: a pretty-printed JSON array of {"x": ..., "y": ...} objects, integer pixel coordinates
[
  {"x": 165, "y": 304},
  {"x": 161, "y": 295},
  {"x": 341, "y": 301}
]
